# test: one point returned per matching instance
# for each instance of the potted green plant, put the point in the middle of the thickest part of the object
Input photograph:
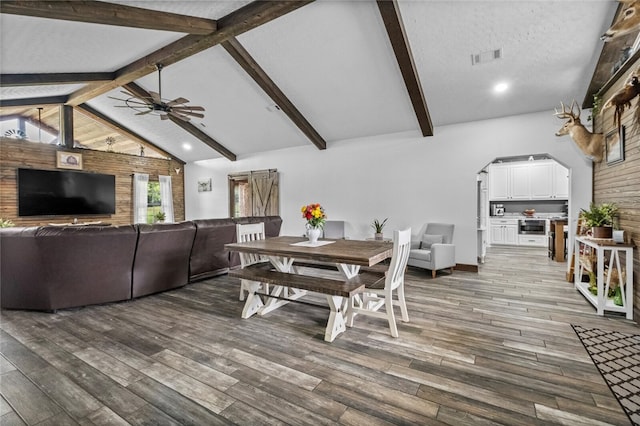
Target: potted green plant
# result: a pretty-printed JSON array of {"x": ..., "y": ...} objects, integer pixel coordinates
[
  {"x": 160, "y": 216},
  {"x": 378, "y": 227},
  {"x": 599, "y": 218},
  {"x": 6, "y": 223}
]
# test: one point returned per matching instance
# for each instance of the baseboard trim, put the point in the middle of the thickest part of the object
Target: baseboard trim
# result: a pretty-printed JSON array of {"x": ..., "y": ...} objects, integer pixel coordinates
[{"x": 465, "y": 267}]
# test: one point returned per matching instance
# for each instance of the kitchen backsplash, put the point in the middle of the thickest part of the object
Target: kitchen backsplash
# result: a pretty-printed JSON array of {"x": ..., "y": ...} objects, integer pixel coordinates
[{"x": 542, "y": 208}]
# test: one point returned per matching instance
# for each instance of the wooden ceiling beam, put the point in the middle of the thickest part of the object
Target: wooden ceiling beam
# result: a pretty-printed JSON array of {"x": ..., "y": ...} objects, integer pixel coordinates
[
  {"x": 11, "y": 80},
  {"x": 43, "y": 126},
  {"x": 190, "y": 128},
  {"x": 246, "y": 61},
  {"x": 390, "y": 12},
  {"x": 114, "y": 125},
  {"x": 98, "y": 12},
  {"x": 185, "y": 125},
  {"x": 32, "y": 121},
  {"x": 47, "y": 100},
  {"x": 244, "y": 19}
]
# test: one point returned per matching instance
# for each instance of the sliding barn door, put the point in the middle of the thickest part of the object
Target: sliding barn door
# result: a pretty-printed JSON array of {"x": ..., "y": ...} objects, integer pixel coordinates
[
  {"x": 254, "y": 193},
  {"x": 264, "y": 193}
]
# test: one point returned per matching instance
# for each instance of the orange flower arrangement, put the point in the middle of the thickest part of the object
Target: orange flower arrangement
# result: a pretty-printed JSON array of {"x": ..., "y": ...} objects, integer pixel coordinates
[{"x": 314, "y": 214}]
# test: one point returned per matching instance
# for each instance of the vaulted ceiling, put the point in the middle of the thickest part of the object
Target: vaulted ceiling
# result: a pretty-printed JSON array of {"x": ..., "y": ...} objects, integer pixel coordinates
[{"x": 279, "y": 74}]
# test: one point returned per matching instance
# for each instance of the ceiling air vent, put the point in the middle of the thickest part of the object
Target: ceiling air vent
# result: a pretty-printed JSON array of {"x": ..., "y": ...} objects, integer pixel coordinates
[{"x": 486, "y": 56}]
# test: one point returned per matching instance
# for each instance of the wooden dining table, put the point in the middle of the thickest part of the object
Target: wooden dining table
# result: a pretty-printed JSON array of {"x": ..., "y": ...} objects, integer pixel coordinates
[{"x": 285, "y": 253}]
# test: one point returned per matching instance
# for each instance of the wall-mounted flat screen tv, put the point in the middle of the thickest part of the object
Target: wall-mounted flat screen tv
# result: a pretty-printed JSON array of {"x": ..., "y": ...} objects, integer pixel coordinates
[{"x": 65, "y": 193}]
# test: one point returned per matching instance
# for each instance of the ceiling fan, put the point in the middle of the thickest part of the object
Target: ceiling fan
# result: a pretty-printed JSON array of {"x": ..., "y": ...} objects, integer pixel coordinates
[{"x": 154, "y": 104}]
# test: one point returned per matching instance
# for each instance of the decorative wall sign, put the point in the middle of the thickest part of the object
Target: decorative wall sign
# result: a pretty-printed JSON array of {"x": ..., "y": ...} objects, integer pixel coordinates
[
  {"x": 614, "y": 144},
  {"x": 68, "y": 160},
  {"x": 204, "y": 185}
]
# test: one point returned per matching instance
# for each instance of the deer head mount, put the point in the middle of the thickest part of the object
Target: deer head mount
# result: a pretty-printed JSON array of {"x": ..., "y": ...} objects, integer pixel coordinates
[
  {"x": 589, "y": 143},
  {"x": 629, "y": 22}
]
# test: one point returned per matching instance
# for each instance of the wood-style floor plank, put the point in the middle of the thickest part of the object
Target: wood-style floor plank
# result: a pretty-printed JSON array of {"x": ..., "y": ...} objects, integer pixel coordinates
[{"x": 487, "y": 348}]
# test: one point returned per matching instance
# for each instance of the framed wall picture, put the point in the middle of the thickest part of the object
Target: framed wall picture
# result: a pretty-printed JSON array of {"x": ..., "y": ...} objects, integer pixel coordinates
[
  {"x": 204, "y": 185},
  {"x": 614, "y": 144},
  {"x": 68, "y": 160}
]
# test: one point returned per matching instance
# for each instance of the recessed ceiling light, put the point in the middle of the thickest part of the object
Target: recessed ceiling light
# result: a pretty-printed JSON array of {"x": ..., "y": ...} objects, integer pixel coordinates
[
  {"x": 500, "y": 87},
  {"x": 186, "y": 146}
]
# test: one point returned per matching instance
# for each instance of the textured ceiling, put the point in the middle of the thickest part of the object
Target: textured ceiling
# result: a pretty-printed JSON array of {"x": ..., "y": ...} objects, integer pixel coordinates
[{"x": 334, "y": 61}]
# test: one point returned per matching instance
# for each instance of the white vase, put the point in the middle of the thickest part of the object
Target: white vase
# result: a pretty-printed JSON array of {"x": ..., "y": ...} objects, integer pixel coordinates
[{"x": 313, "y": 234}]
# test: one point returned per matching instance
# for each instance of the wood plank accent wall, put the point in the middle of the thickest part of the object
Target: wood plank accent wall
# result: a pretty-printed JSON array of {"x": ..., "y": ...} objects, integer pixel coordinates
[
  {"x": 16, "y": 154},
  {"x": 620, "y": 182}
]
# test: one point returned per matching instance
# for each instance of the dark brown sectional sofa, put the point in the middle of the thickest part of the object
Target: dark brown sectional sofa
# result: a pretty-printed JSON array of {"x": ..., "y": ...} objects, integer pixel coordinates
[{"x": 51, "y": 267}]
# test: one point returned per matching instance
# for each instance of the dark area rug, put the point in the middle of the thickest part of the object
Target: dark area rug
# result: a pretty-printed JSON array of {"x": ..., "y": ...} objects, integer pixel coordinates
[{"x": 617, "y": 356}]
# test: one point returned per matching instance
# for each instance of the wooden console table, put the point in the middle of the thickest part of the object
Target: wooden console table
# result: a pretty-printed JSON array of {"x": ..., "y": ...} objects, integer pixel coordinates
[{"x": 606, "y": 252}]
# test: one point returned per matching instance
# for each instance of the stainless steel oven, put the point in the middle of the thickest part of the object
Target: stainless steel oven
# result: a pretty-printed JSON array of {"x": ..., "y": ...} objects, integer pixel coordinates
[{"x": 532, "y": 227}]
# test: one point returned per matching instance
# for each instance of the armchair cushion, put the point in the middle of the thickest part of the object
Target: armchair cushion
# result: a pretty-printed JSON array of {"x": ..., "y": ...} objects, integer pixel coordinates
[
  {"x": 421, "y": 254},
  {"x": 428, "y": 240}
]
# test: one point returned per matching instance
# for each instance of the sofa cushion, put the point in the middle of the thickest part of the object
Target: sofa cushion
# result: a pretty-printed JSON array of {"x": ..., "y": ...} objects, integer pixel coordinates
[
  {"x": 420, "y": 254},
  {"x": 52, "y": 267},
  {"x": 428, "y": 239},
  {"x": 162, "y": 257},
  {"x": 208, "y": 255}
]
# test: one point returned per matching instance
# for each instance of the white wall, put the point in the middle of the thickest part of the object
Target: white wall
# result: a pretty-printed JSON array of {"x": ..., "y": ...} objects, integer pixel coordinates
[{"x": 407, "y": 178}]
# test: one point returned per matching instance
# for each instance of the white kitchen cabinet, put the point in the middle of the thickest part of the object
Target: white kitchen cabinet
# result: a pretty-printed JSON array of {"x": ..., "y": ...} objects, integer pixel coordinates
[
  {"x": 504, "y": 231},
  {"x": 560, "y": 181},
  {"x": 520, "y": 181},
  {"x": 499, "y": 181},
  {"x": 528, "y": 180},
  {"x": 533, "y": 240},
  {"x": 541, "y": 180}
]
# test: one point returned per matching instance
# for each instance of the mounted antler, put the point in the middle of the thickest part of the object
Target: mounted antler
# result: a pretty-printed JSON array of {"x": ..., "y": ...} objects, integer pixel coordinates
[
  {"x": 572, "y": 116},
  {"x": 589, "y": 143},
  {"x": 629, "y": 22}
]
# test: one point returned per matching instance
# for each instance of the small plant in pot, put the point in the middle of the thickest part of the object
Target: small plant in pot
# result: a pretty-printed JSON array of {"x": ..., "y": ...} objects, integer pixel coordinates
[
  {"x": 378, "y": 227},
  {"x": 5, "y": 223},
  {"x": 599, "y": 218},
  {"x": 160, "y": 216}
]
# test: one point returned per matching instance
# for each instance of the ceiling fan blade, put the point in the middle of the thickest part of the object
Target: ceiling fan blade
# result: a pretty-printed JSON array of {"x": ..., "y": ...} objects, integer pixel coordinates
[
  {"x": 178, "y": 101},
  {"x": 179, "y": 115},
  {"x": 134, "y": 96},
  {"x": 192, "y": 114},
  {"x": 144, "y": 112},
  {"x": 155, "y": 97},
  {"x": 138, "y": 102},
  {"x": 188, "y": 108}
]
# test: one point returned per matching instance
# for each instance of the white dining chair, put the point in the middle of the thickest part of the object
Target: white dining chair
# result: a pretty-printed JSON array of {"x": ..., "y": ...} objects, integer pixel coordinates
[
  {"x": 370, "y": 302},
  {"x": 245, "y": 233}
]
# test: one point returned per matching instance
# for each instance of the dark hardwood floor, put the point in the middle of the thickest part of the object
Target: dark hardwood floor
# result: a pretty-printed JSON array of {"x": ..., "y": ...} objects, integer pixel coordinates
[{"x": 494, "y": 347}]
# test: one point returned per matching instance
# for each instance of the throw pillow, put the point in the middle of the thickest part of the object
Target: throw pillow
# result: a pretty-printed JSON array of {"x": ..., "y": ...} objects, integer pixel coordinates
[{"x": 427, "y": 240}]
